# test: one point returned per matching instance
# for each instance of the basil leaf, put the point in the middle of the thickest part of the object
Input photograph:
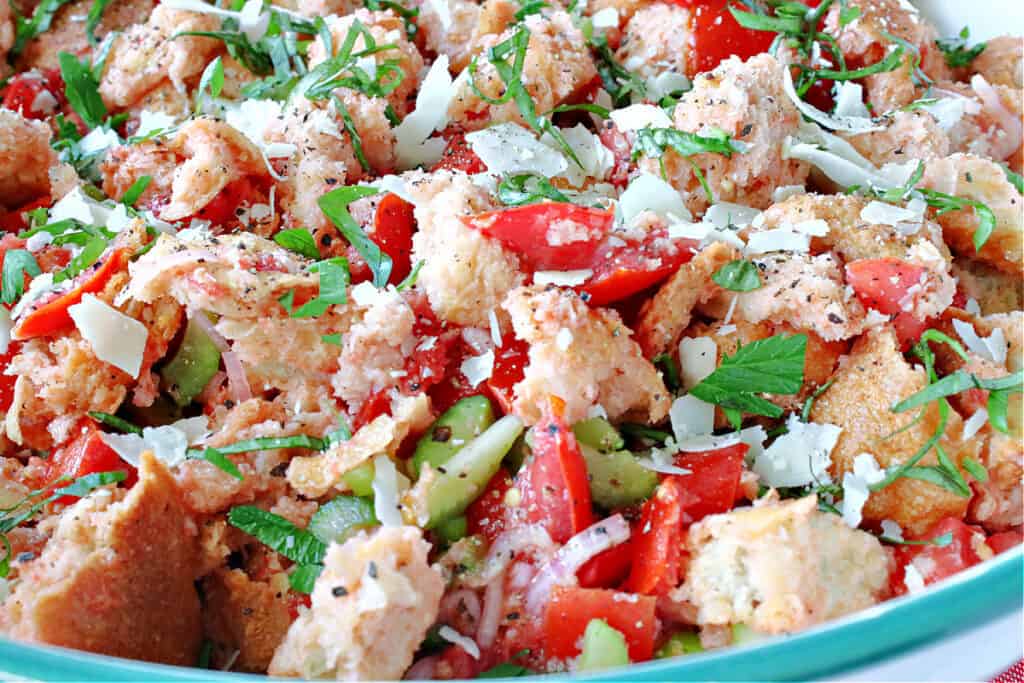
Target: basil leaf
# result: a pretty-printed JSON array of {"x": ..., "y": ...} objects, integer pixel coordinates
[
  {"x": 27, "y": 29},
  {"x": 278, "y": 534},
  {"x": 738, "y": 276},
  {"x": 298, "y": 240},
  {"x": 998, "y": 404},
  {"x": 334, "y": 204},
  {"x": 955, "y": 49},
  {"x": 333, "y": 339},
  {"x": 508, "y": 669},
  {"x": 669, "y": 370},
  {"x": 334, "y": 279},
  {"x": 653, "y": 142},
  {"x": 91, "y": 252},
  {"x": 17, "y": 262},
  {"x": 212, "y": 80},
  {"x": 304, "y": 578},
  {"x": 82, "y": 89},
  {"x": 94, "y": 18},
  {"x": 526, "y": 188},
  {"x": 84, "y": 485},
  {"x": 118, "y": 423},
  {"x": 1016, "y": 179},
  {"x": 620, "y": 83},
  {"x": 410, "y": 279},
  {"x": 266, "y": 443},
  {"x": 132, "y": 194},
  {"x": 975, "y": 469},
  {"x": 221, "y": 462}
]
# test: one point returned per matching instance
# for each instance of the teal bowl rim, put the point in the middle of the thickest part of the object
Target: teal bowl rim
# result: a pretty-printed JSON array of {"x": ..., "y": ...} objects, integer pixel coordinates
[{"x": 975, "y": 596}]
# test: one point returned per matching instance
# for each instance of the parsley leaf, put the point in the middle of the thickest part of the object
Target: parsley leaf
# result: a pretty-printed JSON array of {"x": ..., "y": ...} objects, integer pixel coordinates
[
  {"x": 957, "y": 382},
  {"x": 81, "y": 87},
  {"x": 517, "y": 190},
  {"x": 278, "y": 534},
  {"x": 738, "y": 276},
  {"x": 334, "y": 204},
  {"x": 955, "y": 49},
  {"x": 17, "y": 263},
  {"x": 772, "y": 366},
  {"x": 298, "y": 240},
  {"x": 304, "y": 577}
]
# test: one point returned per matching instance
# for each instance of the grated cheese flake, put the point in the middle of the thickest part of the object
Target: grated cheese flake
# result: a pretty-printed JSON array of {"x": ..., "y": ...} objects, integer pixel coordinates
[
  {"x": 115, "y": 338},
  {"x": 801, "y": 456},
  {"x": 478, "y": 368}
]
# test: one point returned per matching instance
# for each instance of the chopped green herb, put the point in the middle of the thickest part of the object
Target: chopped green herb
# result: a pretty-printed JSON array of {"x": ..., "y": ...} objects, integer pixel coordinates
[
  {"x": 975, "y": 469},
  {"x": 278, "y": 534},
  {"x": 669, "y": 370},
  {"x": 622, "y": 84},
  {"x": 221, "y": 462},
  {"x": 526, "y": 188},
  {"x": 998, "y": 403},
  {"x": 528, "y": 7},
  {"x": 1016, "y": 179},
  {"x": 738, "y": 276},
  {"x": 333, "y": 339},
  {"x": 81, "y": 87},
  {"x": 939, "y": 541},
  {"x": 212, "y": 80},
  {"x": 17, "y": 264},
  {"x": 334, "y": 204},
  {"x": 304, "y": 577},
  {"x": 28, "y": 28},
  {"x": 955, "y": 49},
  {"x": 298, "y": 240},
  {"x": 805, "y": 413},
  {"x": 94, "y": 18},
  {"x": 944, "y": 203},
  {"x": 509, "y": 669},
  {"x": 118, "y": 423},
  {"x": 132, "y": 194},
  {"x": 653, "y": 142},
  {"x": 410, "y": 280},
  {"x": 90, "y": 253}
]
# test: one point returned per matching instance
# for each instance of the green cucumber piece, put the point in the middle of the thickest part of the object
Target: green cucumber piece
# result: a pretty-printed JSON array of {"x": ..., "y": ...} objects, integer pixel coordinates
[
  {"x": 194, "y": 364},
  {"x": 743, "y": 634},
  {"x": 599, "y": 433},
  {"x": 360, "y": 479},
  {"x": 465, "y": 476},
  {"x": 453, "y": 530},
  {"x": 459, "y": 425},
  {"x": 341, "y": 518},
  {"x": 603, "y": 647},
  {"x": 617, "y": 479},
  {"x": 679, "y": 644}
]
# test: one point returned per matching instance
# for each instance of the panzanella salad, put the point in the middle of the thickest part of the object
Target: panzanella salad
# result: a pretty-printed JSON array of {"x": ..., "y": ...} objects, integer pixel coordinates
[{"x": 443, "y": 339}]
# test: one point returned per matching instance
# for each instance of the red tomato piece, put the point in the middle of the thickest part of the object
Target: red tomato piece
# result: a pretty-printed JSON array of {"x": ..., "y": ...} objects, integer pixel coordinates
[
  {"x": 378, "y": 404},
  {"x": 459, "y": 156},
  {"x": 554, "y": 485},
  {"x": 882, "y": 283},
  {"x": 393, "y": 228},
  {"x": 296, "y": 600},
  {"x": 618, "y": 144},
  {"x": 26, "y": 93},
  {"x": 509, "y": 362},
  {"x": 486, "y": 514},
  {"x": 14, "y": 221},
  {"x": 526, "y": 231},
  {"x": 716, "y": 36},
  {"x": 7, "y": 381},
  {"x": 570, "y": 609},
  {"x": 86, "y": 453},
  {"x": 221, "y": 210},
  {"x": 939, "y": 562},
  {"x": 1005, "y": 540},
  {"x": 52, "y": 316},
  {"x": 713, "y": 482},
  {"x": 608, "y": 569},
  {"x": 622, "y": 272},
  {"x": 658, "y": 540}
]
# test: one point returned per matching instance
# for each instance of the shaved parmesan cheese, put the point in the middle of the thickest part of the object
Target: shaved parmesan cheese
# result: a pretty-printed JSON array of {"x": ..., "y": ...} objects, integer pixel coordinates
[
  {"x": 478, "y": 368},
  {"x": 118, "y": 219},
  {"x": 892, "y": 530},
  {"x": 801, "y": 456},
  {"x": 605, "y": 18},
  {"x": 562, "y": 278},
  {"x": 698, "y": 358},
  {"x": 784, "y": 192},
  {"x": 913, "y": 579},
  {"x": 456, "y": 638},
  {"x": 843, "y": 164},
  {"x": 386, "y": 491},
  {"x": 648, "y": 192},
  {"x": 778, "y": 239},
  {"x": 704, "y": 232},
  {"x": 726, "y": 214},
  {"x": 115, "y": 338},
  {"x": 77, "y": 206},
  {"x": 253, "y": 20},
  {"x": 98, "y": 140},
  {"x": 153, "y": 121},
  {"x": 856, "y": 487},
  {"x": 492, "y": 322},
  {"x": 974, "y": 423},
  {"x": 38, "y": 241},
  {"x": 881, "y": 213},
  {"x": 754, "y": 437},
  {"x": 412, "y": 146},
  {"x": 393, "y": 184},
  {"x": 972, "y": 306},
  {"x": 595, "y": 159},
  {"x": 563, "y": 340},
  {"x": 850, "y": 100},
  {"x": 707, "y": 442},
  {"x": 663, "y": 465},
  {"x": 40, "y": 286},
  {"x": 691, "y": 417},
  {"x": 992, "y": 348},
  {"x": 5, "y": 329},
  {"x": 849, "y": 124},
  {"x": 666, "y": 83},
  {"x": 510, "y": 148},
  {"x": 169, "y": 443},
  {"x": 950, "y": 109},
  {"x": 816, "y": 227},
  {"x": 637, "y": 116}
]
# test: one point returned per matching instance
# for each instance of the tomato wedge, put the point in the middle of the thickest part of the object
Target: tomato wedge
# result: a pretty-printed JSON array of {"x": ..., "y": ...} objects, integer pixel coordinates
[
  {"x": 608, "y": 569},
  {"x": 716, "y": 36},
  {"x": 486, "y": 515},
  {"x": 549, "y": 235},
  {"x": 570, "y": 609},
  {"x": 52, "y": 316},
  {"x": 393, "y": 228},
  {"x": 882, "y": 283},
  {"x": 86, "y": 453},
  {"x": 1005, "y": 540},
  {"x": 623, "y": 271},
  {"x": 935, "y": 563},
  {"x": 554, "y": 485},
  {"x": 713, "y": 482},
  {"x": 657, "y": 542},
  {"x": 459, "y": 156},
  {"x": 221, "y": 210},
  {"x": 7, "y": 381},
  {"x": 509, "y": 363}
]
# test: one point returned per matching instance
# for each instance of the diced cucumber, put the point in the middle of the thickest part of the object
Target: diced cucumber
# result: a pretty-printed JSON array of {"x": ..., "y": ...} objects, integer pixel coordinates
[
  {"x": 452, "y": 530},
  {"x": 681, "y": 643},
  {"x": 617, "y": 479},
  {"x": 603, "y": 647},
  {"x": 599, "y": 433},
  {"x": 360, "y": 479},
  {"x": 459, "y": 425},
  {"x": 743, "y": 634},
  {"x": 194, "y": 364},
  {"x": 464, "y": 477},
  {"x": 341, "y": 518}
]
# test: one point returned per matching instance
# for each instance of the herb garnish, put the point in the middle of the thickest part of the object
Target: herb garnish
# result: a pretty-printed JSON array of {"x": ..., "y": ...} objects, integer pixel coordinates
[
  {"x": 94, "y": 18},
  {"x": 738, "y": 276},
  {"x": 17, "y": 264},
  {"x": 298, "y": 240},
  {"x": 955, "y": 49},
  {"x": 212, "y": 80},
  {"x": 621, "y": 83},
  {"x": 28, "y": 28},
  {"x": 334, "y": 279},
  {"x": 334, "y": 204},
  {"x": 298, "y": 545},
  {"x": 527, "y": 188},
  {"x": 81, "y": 86}
]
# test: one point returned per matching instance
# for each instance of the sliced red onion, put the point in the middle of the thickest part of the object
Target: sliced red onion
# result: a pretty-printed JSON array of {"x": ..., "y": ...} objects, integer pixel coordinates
[
  {"x": 460, "y": 602},
  {"x": 490, "y": 618},
  {"x": 562, "y": 568},
  {"x": 422, "y": 670},
  {"x": 212, "y": 387},
  {"x": 207, "y": 326},
  {"x": 511, "y": 544},
  {"x": 237, "y": 381}
]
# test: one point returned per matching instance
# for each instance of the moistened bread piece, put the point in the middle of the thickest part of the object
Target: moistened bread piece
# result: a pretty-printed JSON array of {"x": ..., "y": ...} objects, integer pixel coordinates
[
  {"x": 781, "y": 567},
  {"x": 371, "y": 608},
  {"x": 117, "y": 576}
]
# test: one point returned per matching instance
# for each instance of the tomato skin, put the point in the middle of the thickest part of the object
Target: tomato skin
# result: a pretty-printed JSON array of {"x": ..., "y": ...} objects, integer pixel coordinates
[
  {"x": 1005, "y": 540},
  {"x": 607, "y": 569},
  {"x": 7, "y": 381},
  {"x": 459, "y": 156},
  {"x": 86, "y": 453},
  {"x": 14, "y": 221},
  {"x": 716, "y": 36},
  {"x": 936, "y": 563},
  {"x": 524, "y": 230},
  {"x": 882, "y": 283},
  {"x": 509, "y": 364},
  {"x": 221, "y": 209},
  {"x": 713, "y": 482},
  {"x": 623, "y": 272},
  {"x": 393, "y": 228},
  {"x": 296, "y": 600},
  {"x": 22, "y": 90},
  {"x": 486, "y": 515},
  {"x": 554, "y": 485},
  {"x": 618, "y": 144},
  {"x": 570, "y": 609},
  {"x": 378, "y": 404},
  {"x": 52, "y": 317},
  {"x": 658, "y": 539}
]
